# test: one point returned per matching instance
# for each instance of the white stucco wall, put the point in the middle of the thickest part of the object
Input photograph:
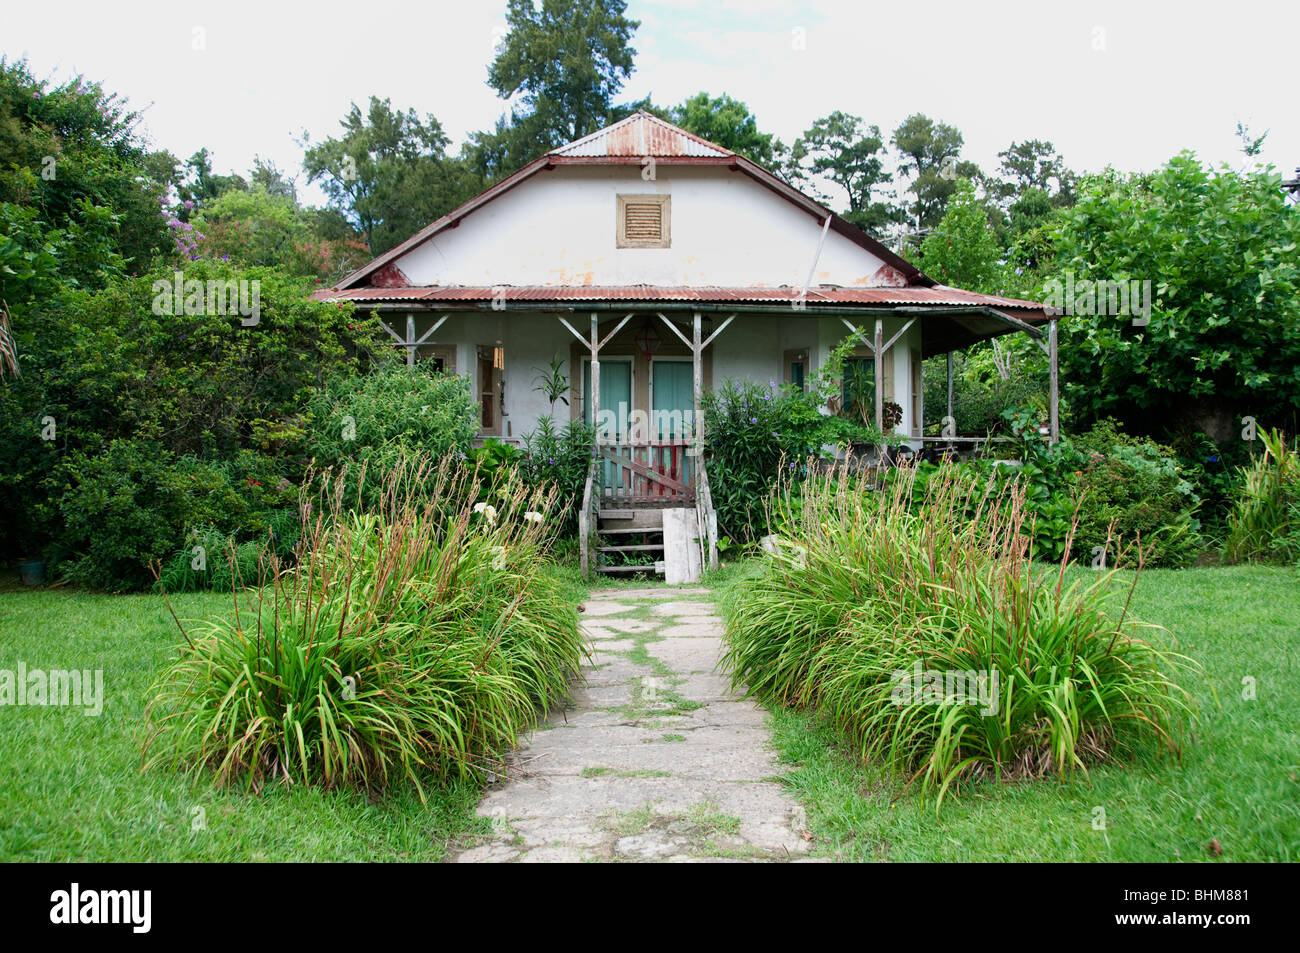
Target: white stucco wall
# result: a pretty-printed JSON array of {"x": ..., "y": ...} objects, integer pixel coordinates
[{"x": 558, "y": 228}]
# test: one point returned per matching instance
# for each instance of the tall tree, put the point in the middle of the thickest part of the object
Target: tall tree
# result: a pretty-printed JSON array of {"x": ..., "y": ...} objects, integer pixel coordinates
[
  {"x": 928, "y": 152},
  {"x": 730, "y": 124},
  {"x": 566, "y": 60},
  {"x": 962, "y": 250},
  {"x": 841, "y": 149},
  {"x": 1222, "y": 338},
  {"x": 388, "y": 174}
]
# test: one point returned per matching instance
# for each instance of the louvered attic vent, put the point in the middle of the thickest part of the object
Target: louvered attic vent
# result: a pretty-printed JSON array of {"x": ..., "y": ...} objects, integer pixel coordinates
[{"x": 643, "y": 221}]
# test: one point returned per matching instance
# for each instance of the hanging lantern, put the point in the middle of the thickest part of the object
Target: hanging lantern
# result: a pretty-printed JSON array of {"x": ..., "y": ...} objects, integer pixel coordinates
[{"x": 647, "y": 341}]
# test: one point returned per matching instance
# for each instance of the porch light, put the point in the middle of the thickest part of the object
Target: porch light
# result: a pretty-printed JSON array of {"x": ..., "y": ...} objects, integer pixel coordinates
[{"x": 647, "y": 341}]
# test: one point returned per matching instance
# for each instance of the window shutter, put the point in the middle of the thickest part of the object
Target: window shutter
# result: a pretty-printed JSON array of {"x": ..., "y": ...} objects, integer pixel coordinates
[{"x": 644, "y": 222}]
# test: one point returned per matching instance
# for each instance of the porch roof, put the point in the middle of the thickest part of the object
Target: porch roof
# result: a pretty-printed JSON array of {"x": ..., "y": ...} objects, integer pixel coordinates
[{"x": 952, "y": 318}]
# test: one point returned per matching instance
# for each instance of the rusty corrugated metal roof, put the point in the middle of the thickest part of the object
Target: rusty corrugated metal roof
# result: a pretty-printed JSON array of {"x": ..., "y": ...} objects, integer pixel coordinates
[
  {"x": 940, "y": 295},
  {"x": 641, "y": 134}
]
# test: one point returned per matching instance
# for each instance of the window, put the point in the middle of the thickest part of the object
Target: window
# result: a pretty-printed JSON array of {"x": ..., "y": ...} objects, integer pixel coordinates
[
  {"x": 441, "y": 357},
  {"x": 796, "y": 369},
  {"x": 491, "y": 390},
  {"x": 643, "y": 221}
]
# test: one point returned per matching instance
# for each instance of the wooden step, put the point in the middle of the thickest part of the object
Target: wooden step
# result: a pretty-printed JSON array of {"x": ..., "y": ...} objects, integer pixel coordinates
[
  {"x": 653, "y": 568},
  {"x": 627, "y": 532},
  {"x": 616, "y": 514},
  {"x": 649, "y": 547}
]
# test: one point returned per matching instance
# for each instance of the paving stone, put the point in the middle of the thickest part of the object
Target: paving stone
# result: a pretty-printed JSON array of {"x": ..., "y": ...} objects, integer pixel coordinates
[
  {"x": 646, "y": 803},
  {"x": 488, "y": 854},
  {"x": 603, "y": 607},
  {"x": 684, "y": 608},
  {"x": 630, "y": 626},
  {"x": 551, "y": 855}
]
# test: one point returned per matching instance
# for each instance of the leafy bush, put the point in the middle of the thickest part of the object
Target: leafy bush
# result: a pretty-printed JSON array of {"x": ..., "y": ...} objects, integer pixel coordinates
[
  {"x": 1133, "y": 491},
  {"x": 560, "y": 457},
  {"x": 380, "y": 418},
  {"x": 124, "y": 509},
  {"x": 405, "y": 644},
  {"x": 865, "y": 597},
  {"x": 106, "y": 366},
  {"x": 136, "y": 503},
  {"x": 1263, "y": 525},
  {"x": 749, "y": 429}
]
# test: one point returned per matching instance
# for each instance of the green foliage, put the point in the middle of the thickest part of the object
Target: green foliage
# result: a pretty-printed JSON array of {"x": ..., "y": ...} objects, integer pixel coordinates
[
  {"x": 387, "y": 174},
  {"x": 1263, "y": 526},
  {"x": 76, "y": 183},
  {"x": 729, "y": 123},
  {"x": 565, "y": 60},
  {"x": 109, "y": 365},
  {"x": 135, "y": 504},
  {"x": 404, "y": 646},
  {"x": 257, "y": 227},
  {"x": 1219, "y": 249},
  {"x": 962, "y": 250},
  {"x": 560, "y": 457},
  {"x": 553, "y": 383},
  {"x": 751, "y": 429},
  {"x": 841, "y": 149},
  {"x": 928, "y": 152},
  {"x": 379, "y": 418},
  {"x": 866, "y": 594}
]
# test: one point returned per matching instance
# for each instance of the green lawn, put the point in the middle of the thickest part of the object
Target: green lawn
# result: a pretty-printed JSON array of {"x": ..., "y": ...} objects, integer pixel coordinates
[
  {"x": 1238, "y": 781},
  {"x": 72, "y": 789}
]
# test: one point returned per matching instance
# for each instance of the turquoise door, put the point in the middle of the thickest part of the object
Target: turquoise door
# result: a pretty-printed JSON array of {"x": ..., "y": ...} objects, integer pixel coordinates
[
  {"x": 672, "y": 399},
  {"x": 615, "y": 412}
]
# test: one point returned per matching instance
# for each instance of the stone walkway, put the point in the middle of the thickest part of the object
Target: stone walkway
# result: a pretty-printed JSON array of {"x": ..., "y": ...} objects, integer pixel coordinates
[{"x": 653, "y": 760}]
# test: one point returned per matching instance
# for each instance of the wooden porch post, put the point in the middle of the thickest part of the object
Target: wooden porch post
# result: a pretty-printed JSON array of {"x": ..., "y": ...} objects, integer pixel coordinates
[
  {"x": 697, "y": 352},
  {"x": 595, "y": 376},
  {"x": 950, "y": 385},
  {"x": 1055, "y": 382},
  {"x": 410, "y": 340},
  {"x": 879, "y": 373}
]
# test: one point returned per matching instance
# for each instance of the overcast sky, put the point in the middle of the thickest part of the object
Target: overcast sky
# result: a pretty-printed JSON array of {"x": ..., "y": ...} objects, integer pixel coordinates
[{"x": 1122, "y": 83}]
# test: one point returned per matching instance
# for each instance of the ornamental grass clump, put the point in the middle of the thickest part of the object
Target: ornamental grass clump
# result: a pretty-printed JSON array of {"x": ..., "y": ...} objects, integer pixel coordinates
[
  {"x": 414, "y": 639},
  {"x": 925, "y": 633},
  {"x": 1263, "y": 524}
]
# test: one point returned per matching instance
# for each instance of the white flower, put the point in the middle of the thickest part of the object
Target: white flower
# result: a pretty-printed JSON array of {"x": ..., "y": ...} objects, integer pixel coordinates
[
  {"x": 488, "y": 511},
  {"x": 499, "y": 559},
  {"x": 533, "y": 516}
]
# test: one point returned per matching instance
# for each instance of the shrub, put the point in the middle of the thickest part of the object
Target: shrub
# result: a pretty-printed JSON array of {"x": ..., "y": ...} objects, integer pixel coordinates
[
  {"x": 749, "y": 429},
  {"x": 123, "y": 510},
  {"x": 560, "y": 457},
  {"x": 415, "y": 639},
  {"x": 136, "y": 504},
  {"x": 1263, "y": 525},
  {"x": 864, "y": 595},
  {"x": 107, "y": 365},
  {"x": 1133, "y": 491},
  {"x": 380, "y": 418}
]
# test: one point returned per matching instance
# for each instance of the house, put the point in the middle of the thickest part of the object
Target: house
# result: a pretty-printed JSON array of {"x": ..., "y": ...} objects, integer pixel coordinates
[{"x": 654, "y": 264}]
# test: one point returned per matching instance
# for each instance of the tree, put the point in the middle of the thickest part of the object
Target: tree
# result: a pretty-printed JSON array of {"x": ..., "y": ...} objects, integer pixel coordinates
[
  {"x": 1218, "y": 250},
  {"x": 79, "y": 193},
  {"x": 840, "y": 149},
  {"x": 256, "y": 227},
  {"x": 566, "y": 60},
  {"x": 928, "y": 151},
  {"x": 388, "y": 174},
  {"x": 729, "y": 123},
  {"x": 201, "y": 185},
  {"x": 962, "y": 250}
]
